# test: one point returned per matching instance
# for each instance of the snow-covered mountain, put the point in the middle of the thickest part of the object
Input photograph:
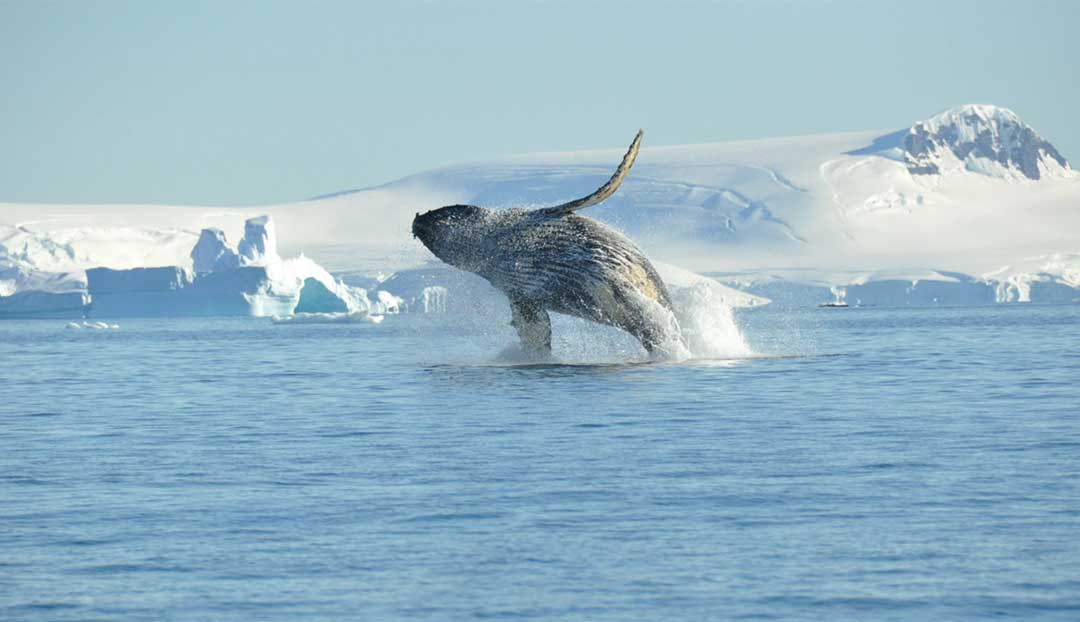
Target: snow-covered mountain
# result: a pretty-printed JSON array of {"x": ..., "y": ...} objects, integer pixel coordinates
[
  {"x": 983, "y": 139},
  {"x": 973, "y": 191}
]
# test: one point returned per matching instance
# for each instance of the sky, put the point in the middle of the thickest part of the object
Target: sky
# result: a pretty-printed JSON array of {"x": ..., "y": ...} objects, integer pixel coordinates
[{"x": 248, "y": 103}]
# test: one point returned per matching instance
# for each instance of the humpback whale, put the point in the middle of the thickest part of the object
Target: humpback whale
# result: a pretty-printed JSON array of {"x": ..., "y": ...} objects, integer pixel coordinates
[{"x": 553, "y": 259}]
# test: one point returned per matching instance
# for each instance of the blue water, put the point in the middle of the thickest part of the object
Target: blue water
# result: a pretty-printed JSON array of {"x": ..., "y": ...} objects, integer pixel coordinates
[{"x": 909, "y": 464}]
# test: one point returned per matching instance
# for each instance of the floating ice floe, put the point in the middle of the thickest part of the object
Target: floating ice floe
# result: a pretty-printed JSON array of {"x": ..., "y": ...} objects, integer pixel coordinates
[
  {"x": 354, "y": 317},
  {"x": 91, "y": 326}
]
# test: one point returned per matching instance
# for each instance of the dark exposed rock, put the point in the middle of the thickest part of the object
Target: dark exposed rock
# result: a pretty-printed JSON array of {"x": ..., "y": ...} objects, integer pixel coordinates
[{"x": 978, "y": 132}]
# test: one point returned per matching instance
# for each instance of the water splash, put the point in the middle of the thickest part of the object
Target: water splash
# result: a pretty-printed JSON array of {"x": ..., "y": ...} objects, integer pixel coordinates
[
  {"x": 703, "y": 325},
  {"x": 706, "y": 329},
  {"x": 708, "y": 323}
]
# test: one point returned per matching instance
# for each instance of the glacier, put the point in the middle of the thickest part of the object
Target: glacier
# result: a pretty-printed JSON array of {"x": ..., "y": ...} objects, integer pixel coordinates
[{"x": 968, "y": 206}]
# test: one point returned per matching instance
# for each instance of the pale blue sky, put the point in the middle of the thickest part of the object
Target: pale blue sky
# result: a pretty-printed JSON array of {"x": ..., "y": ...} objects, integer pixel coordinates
[{"x": 255, "y": 102}]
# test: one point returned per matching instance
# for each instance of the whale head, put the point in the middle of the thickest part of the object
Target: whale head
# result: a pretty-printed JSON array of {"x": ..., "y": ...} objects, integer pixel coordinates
[{"x": 453, "y": 233}]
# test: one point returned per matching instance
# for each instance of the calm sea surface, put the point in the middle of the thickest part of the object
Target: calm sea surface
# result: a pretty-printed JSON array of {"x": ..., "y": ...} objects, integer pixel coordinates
[{"x": 872, "y": 464}]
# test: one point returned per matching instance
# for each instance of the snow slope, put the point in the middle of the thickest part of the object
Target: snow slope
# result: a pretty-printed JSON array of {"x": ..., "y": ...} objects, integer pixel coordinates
[{"x": 972, "y": 191}]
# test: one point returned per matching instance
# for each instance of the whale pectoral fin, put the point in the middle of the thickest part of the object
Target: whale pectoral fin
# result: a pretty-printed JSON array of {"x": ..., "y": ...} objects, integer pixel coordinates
[
  {"x": 532, "y": 323},
  {"x": 604, "y": 191}
]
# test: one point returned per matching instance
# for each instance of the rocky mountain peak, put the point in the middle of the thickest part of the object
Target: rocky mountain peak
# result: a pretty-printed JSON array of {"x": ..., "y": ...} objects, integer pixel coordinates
[{"x": 984, "y": 139}]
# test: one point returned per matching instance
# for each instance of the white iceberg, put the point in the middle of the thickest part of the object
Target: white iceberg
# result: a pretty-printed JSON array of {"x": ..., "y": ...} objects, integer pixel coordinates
[
  {"x": 256, "y": 282},
  {"x": 212, "y": 253},
  {"x": 91, "y": 326},
  {"x": 259, "y": 246},
  {"x": 40, "y": 304},
  {"x": 316, "y": 297}
]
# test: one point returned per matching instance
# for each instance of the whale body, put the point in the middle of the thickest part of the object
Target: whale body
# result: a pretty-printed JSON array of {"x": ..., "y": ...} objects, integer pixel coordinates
[{"x": 552, "y": 259}]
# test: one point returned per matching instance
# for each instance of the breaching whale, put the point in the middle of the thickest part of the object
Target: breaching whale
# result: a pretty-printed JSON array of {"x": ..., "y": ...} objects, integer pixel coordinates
[{"x": 552, "y": 259}]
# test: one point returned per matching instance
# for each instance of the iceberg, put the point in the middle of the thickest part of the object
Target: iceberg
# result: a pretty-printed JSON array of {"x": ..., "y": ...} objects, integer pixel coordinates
[
  {"x": 212, "y": 253},
  {"x": 1041, "y": 280},
  {"x": 174, "y": 292},
  {"x": 39, "y": 304},
  {"x": 389, "y": 303},
  {"x": 946, "y": 290},
  {"x": 106, "y": 281},
  {"x": 315, "y": 297},
  {"x": 259, "y": 246},
  {"x": 211, "y": 278},
  {"x": 28, "y": 293}
]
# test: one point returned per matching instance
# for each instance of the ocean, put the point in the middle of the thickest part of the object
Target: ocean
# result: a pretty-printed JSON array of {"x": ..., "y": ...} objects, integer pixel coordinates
[{"x": 860, "y": 464}]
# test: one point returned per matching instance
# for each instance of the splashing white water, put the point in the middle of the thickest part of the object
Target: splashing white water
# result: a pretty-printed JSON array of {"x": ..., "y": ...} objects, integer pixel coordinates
[
  {"x": 708, "y": 323},
  {"x": 705, "y": 311},
  {"x": 703, "y": 326}
]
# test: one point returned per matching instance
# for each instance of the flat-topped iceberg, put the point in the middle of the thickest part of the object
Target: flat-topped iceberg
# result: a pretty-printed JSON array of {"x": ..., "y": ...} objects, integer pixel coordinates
[{"x": 39, "y": 304}]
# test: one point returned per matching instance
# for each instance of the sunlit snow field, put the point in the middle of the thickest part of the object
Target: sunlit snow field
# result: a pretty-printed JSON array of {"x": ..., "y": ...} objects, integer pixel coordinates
[{"x": 862, "y": 464}]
